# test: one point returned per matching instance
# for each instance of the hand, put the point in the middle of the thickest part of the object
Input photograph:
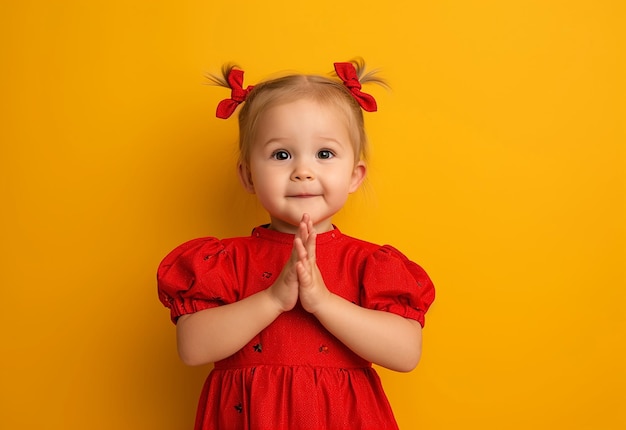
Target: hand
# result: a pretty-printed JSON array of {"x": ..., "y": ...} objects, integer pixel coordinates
[
  {"x": 285, "y": 289},
  {"x": 312, "y": 289}
]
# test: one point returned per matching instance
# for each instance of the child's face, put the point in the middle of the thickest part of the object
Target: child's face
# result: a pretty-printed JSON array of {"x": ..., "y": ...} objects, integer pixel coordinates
[{"x": 302, "y": 161}]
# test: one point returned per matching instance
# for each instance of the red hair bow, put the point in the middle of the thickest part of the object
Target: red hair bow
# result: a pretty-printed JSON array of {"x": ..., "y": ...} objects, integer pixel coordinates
[
  {"x": 347, "y": 73},
  {"x": 238, "y": 94}
]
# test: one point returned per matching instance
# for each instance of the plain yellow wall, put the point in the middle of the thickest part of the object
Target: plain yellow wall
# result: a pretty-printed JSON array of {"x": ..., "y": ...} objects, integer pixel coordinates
[{"x": 498, "y": 164}]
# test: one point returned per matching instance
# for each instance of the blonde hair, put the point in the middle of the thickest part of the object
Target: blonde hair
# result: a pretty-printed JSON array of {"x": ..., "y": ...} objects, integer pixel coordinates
[{"x": 294, "y": 87}]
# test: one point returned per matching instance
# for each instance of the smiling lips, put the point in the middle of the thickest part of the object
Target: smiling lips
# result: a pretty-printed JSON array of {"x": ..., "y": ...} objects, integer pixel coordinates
[{"x": 303, "y": 196}]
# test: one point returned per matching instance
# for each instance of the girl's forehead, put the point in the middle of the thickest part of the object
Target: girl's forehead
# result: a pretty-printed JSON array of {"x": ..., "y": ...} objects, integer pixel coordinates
[
  {"x": 303, "y": 116},
  {"x": 304, "y": 109}
]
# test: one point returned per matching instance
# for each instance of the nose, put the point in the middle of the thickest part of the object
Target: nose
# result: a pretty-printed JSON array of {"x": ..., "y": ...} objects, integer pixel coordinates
[{"x": 302, "y": 172}]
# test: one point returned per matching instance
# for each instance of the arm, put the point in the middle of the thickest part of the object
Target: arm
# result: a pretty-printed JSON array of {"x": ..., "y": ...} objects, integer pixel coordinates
[
  {"x": 384, "y": 338},
  {"x": 213, "y": 334},
  {"x": 381, "y": 337}
]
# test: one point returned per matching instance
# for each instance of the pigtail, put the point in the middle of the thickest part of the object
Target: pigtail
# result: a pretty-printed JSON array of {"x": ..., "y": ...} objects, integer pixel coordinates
[
  {"x": 365, "y": 76},
  {"x": 232, "y": 77},
  {"x": 222, "y": 79},
  {"x": 352, "y": 74}
]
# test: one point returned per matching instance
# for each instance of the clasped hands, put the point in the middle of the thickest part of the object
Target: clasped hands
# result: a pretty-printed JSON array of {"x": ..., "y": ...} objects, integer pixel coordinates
[{"x": 301, "y": 278}]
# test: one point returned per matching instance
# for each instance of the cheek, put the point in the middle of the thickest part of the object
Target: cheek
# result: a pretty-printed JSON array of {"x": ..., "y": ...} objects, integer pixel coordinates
[
  {"x": 264, "y": 180},
  {"x": 342, "y": 176}
]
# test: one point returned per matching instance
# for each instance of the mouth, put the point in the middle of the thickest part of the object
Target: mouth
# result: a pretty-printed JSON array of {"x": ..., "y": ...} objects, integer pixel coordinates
[{"x": 302, "y": 196}]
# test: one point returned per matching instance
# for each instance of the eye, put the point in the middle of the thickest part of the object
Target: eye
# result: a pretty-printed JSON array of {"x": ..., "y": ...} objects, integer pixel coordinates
[
  {"x": 325, "y": 154},
  {"x": 281, "y": 155}
]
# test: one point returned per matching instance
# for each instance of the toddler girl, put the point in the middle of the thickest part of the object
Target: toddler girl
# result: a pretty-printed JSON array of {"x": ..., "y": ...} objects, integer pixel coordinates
[{"x": 294, "y": 315}]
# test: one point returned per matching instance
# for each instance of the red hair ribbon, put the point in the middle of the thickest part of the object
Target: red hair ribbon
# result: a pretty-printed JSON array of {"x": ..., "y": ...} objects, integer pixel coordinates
[
  {"x": 238, "y": 94},
  {"x": 347, "y": 73}
]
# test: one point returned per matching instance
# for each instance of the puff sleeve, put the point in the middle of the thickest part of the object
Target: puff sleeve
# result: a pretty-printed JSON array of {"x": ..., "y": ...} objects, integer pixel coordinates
[
  {"x": 196, "y": 275},
  {"x": 393, "y": 283}
]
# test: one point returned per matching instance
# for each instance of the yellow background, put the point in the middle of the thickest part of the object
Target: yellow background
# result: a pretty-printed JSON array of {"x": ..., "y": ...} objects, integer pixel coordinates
[{"x": 498, "y": 164}]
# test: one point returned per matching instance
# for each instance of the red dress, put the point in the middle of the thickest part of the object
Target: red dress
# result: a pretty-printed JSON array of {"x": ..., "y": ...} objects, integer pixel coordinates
[{"x": 294, "y": 374}]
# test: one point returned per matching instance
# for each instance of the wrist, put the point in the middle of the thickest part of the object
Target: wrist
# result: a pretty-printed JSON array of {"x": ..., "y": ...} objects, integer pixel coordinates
[
  {"x": 322, "y": 304},
  {"x": 275, "y": 300}
]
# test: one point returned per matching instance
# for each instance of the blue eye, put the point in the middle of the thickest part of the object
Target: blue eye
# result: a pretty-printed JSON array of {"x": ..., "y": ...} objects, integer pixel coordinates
[
  {"x": 325, "y": 154},
  {"x": 281, "y": 155}
]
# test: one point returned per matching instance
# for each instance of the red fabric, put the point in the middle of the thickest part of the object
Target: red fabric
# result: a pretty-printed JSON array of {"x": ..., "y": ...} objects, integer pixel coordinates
[
  {"x": 238, "y": 95},
  {"x": 347, "y": 73},
  {"x": 294, "y": 374}
]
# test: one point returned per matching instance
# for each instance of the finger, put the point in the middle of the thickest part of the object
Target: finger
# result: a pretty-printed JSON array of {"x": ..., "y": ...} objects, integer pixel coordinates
[
  {"x": 309, "y": 223},
  {"x": 298, "y": 252},
  {"x": 294, "y": 252},
  {"x": 303, "y": 231},
  {"x": 299, "y": 249},
  {"x": 305, "y": 278},
  {"x": 311, "y": 244}
]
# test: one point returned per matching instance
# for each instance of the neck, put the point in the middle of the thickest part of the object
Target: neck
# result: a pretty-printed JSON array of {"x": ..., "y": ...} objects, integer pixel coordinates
[{"x": 284, "y": 227}]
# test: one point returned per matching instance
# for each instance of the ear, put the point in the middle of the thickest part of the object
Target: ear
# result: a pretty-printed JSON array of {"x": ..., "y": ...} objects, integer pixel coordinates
[
  {"x": 245, "y": 177},
  {"x": 358, "y": 175}
]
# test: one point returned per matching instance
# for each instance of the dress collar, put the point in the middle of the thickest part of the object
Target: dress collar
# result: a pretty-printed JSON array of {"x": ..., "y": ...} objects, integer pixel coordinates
[{"x": 263, "y": 232}]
